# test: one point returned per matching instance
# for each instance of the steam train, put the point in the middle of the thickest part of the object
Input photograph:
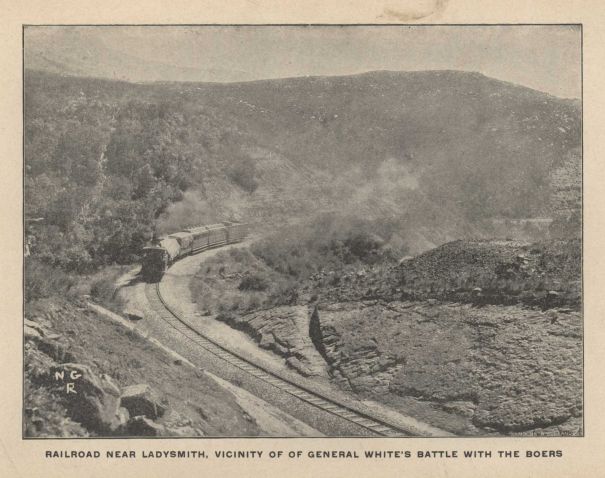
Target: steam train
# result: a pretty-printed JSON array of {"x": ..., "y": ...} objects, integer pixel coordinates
[{"x": 159, "y": 256}]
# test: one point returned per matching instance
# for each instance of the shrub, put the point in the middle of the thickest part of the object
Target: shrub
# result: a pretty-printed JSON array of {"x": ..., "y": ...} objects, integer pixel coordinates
[
  {"x": 43, "y": 280},
  {"x": 102, "y": 285},
  {"x": 253, "y": 282},
  {"x": 284, "y": 293},
  {"x": 102, "y": 288},
  {"x": 242, "y": 173},
  {"x": 253, "y": 304}
]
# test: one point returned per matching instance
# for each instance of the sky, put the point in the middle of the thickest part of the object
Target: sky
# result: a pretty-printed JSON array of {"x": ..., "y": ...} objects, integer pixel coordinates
[{"x": 546, "y": 58}]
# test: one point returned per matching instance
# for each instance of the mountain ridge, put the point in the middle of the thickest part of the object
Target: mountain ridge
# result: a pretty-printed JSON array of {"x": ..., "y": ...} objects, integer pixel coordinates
[{"x": 443, "y": 153}]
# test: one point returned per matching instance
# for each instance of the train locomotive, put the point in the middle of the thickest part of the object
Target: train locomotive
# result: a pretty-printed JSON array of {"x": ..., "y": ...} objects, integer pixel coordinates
[{"x": 159, "y": 256}]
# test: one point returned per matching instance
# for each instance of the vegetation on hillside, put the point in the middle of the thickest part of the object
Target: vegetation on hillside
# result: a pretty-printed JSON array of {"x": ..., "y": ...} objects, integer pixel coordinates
[
  {"x": 101, "y": 166},
  {"x": 440, "y": 153},
  {"x": 334, "y": 260},
  {"x": 545, "y": 274},
  {"x": 277, "y": 269},
  {"x": 327, "y": 241}
]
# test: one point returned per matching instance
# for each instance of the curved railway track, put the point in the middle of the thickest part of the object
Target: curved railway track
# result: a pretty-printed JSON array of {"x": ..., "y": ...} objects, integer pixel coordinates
[{"x": 377, "y": 425}]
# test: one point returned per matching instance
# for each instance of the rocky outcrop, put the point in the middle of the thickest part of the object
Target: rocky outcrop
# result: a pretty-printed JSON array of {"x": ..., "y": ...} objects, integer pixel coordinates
[
  {"x": 102, "y": 407},
  {"x": 544, "y": 274},
  {"x": 95, "y": 401},
  {"x": 90, "y": 399},
  {"x": 285, "y": 331},
  {"x": 83, "y": 377},
  {"x": 503, "y": 369},
  {"x": 143, "y": 426},
  {"x": 364, "y": 367},
  {"x": 141, "y": 400}
]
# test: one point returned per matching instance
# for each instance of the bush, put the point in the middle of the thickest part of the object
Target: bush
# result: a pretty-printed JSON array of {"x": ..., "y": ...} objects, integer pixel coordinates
[
  {"x": 242, "y": 173},
  {"x": 102, "y": 289},
  {"x": 43, "y": 280},
  {"x": 253, "y": 282},
  {"x": 284, "y": 293},
  {"x": 326, "y": 243}
]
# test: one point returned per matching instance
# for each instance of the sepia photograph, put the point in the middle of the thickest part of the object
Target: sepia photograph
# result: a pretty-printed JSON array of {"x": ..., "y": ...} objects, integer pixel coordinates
[{"x": 311, "y": 230}]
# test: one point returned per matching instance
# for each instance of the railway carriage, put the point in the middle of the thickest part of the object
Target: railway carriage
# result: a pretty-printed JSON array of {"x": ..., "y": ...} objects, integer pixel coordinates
[
  {"x": 217, "y": 235},
  {"x": 157, "y": 258},
  {"x": 200, "y": 237},
  {"x": 211, "y": 235},
  {"x": 235, "y": 232},
  {"x": 185, "y": 240}
]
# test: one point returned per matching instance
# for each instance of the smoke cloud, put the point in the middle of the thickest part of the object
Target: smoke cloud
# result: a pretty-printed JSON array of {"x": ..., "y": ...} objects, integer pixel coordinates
[{"x": 191, "y": 211}]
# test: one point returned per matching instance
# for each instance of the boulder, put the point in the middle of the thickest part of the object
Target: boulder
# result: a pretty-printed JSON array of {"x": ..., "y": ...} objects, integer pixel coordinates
[
  {"x": 31, "y": 333},
  {"x": 30, "y": 324},
  {"x": 58, "y": 349},
  {"x": 95, "y": 403},
  {"x": 363, "y": 383},
  {"x": 143, "y": 426},
  {"x": 121, "y": 422},
  {"x": 110, "y": 385},
  {"x": 266, "y": 341},
  {"x": 134, "y": 314},
  {"x": 280, "y": 349},
  {"x": 140, "y": 400},
  {"x": 297, "y": 365},
  {"x": 460, "y": 407}
]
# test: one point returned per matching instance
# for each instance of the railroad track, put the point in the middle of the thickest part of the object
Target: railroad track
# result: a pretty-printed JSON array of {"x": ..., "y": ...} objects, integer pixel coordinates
[{"x": 379, "y": 426}]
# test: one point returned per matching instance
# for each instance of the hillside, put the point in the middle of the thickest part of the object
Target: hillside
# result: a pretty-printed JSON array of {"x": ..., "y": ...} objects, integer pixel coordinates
[
  {"x": 473, "y": 336},
  {"x": 125, "y": 384},
  {"x": 472, "y": 141},
  {"x": 542, "y": 274},
  {"x": 441, "y": 152}
]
